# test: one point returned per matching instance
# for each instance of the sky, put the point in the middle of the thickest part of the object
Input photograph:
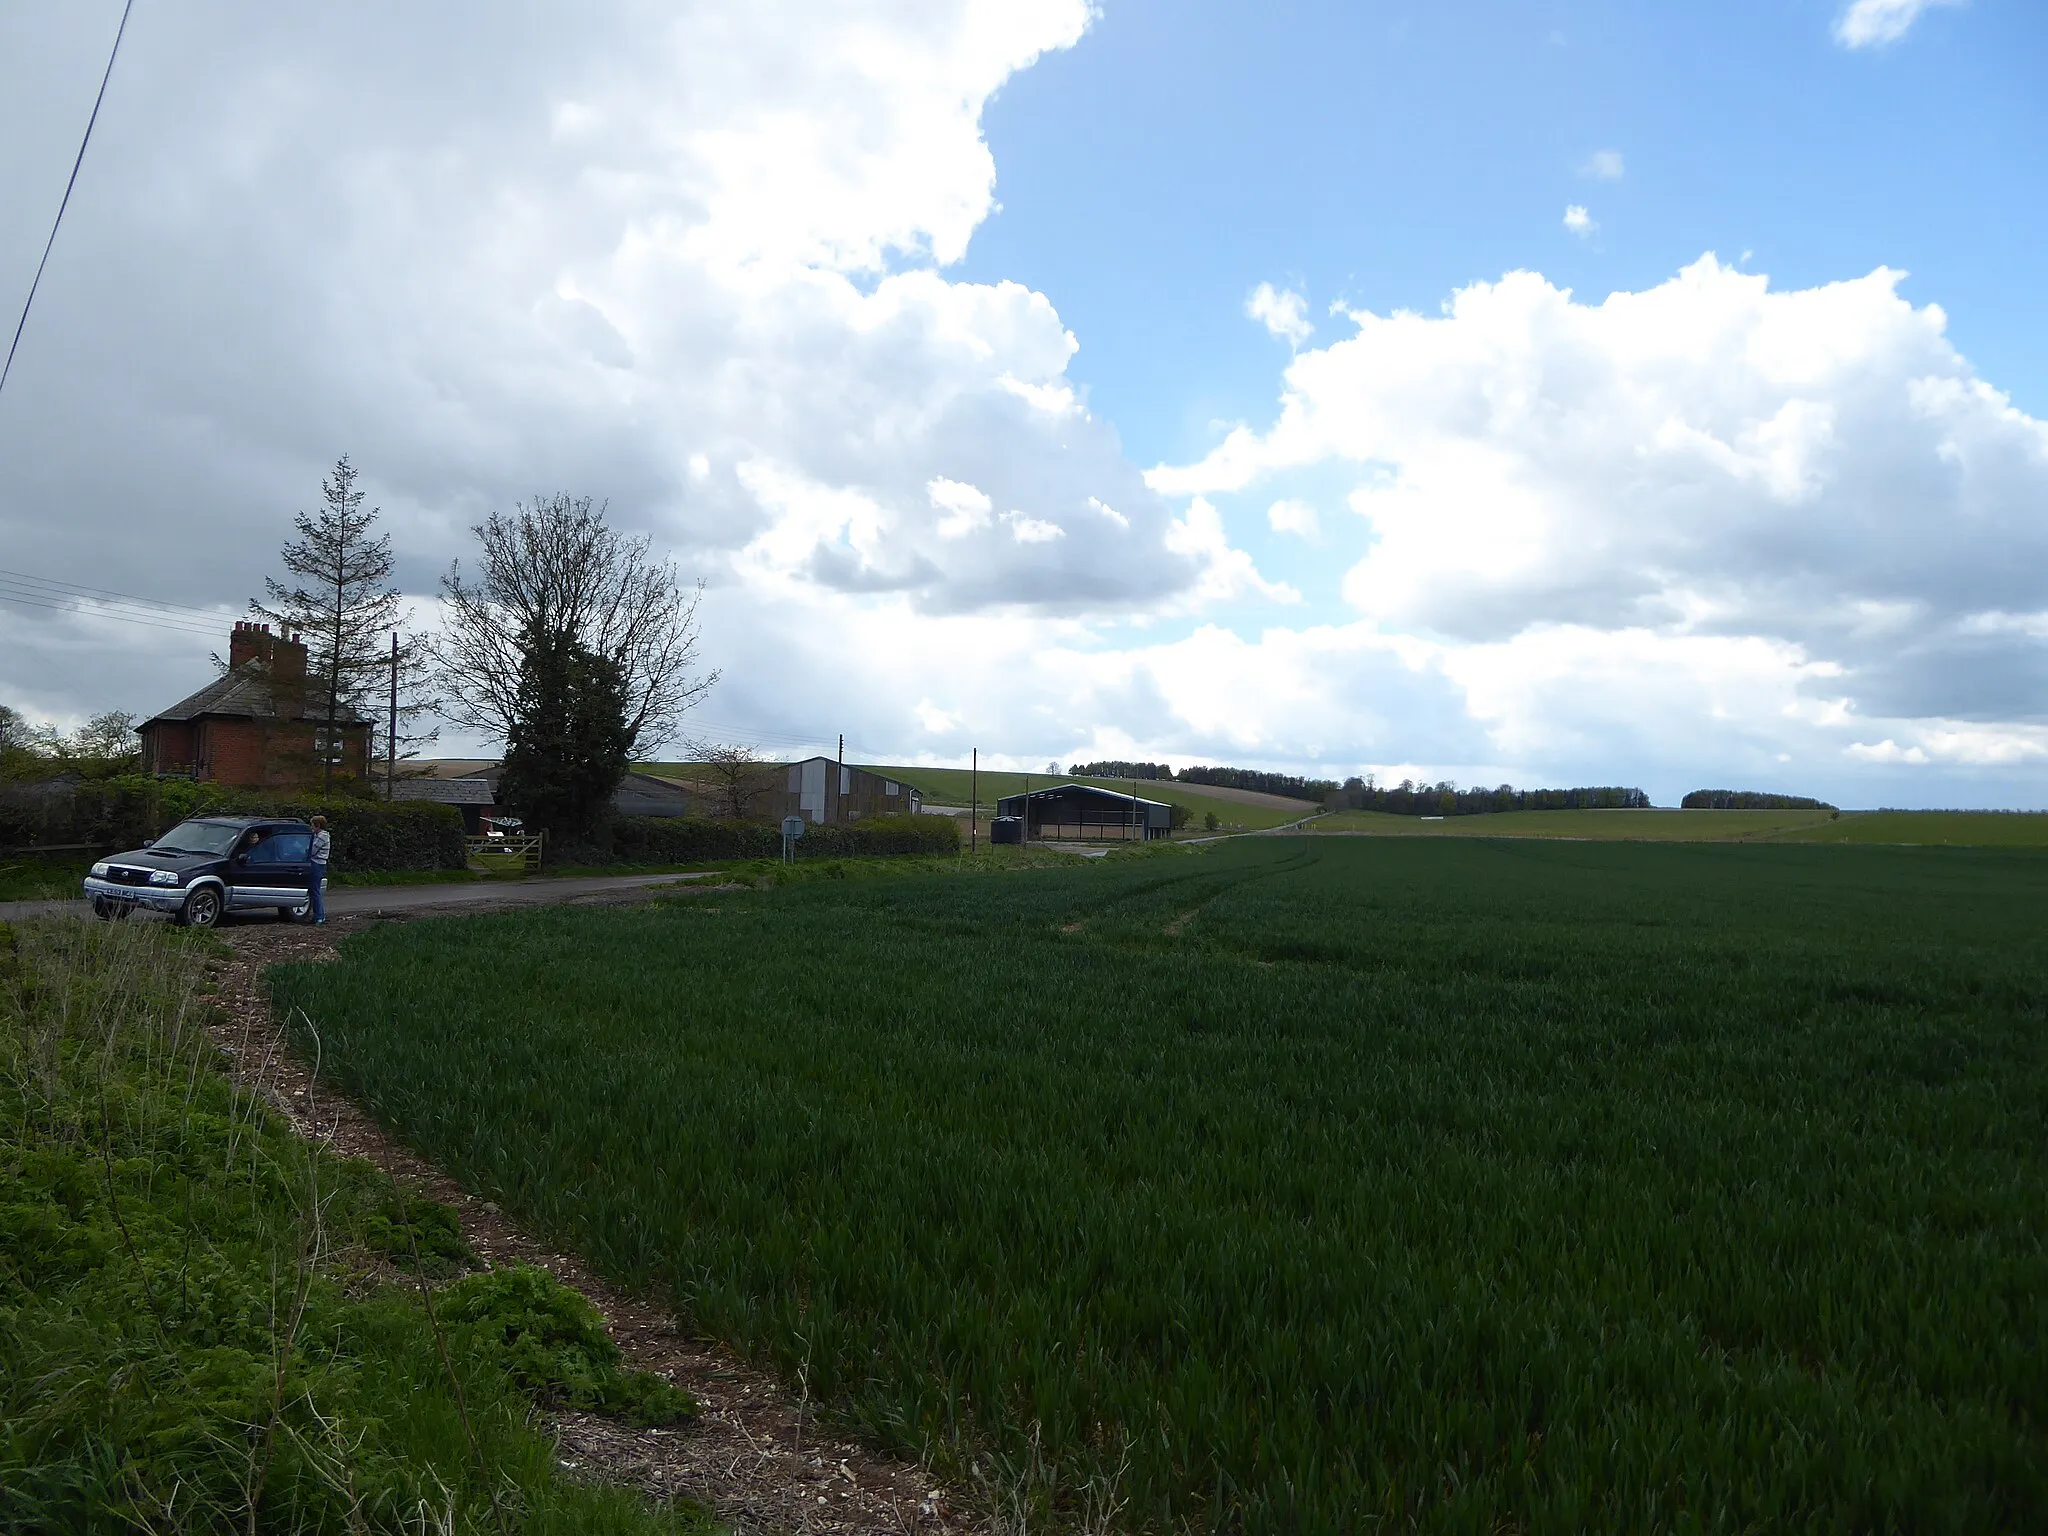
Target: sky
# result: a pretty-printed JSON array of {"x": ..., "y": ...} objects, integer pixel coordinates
[{"x": 1541, "y": 393}]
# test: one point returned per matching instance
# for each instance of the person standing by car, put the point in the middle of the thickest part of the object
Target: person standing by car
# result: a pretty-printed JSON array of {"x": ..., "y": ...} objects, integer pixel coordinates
[{"x": 316, "y": 884}]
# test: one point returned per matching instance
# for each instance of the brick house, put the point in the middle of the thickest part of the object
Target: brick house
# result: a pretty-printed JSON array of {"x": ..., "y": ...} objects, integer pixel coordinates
[{"x": 261, "y": 724}]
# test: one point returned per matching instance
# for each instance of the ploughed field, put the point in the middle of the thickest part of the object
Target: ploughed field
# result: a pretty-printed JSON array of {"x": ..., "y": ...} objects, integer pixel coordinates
[{"x": 1305, "y": 1183}]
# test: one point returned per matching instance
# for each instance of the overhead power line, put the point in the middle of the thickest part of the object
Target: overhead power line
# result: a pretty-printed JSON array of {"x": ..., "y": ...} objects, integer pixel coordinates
[
  {"x": 36, "y": 282},
  {"x": 31, "y": 591}
]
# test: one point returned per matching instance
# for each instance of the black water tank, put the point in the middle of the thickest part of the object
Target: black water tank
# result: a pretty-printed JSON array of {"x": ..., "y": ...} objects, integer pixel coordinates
[{"x": 1006, "y": 829}]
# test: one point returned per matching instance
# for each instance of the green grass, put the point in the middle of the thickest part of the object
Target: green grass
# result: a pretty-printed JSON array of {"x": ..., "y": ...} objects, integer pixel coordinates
[
  {"x": 50, "y": 878},
  {"x": 1309, "y": 1184},
  {"x": 208, "y": 1325},
  {"x": 1662, "y": 826}
]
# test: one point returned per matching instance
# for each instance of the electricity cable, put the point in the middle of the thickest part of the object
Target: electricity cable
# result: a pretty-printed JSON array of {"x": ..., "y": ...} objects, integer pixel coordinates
[
  {"x": 113, "y": 54},
  {"x": 69, "y": 597}
]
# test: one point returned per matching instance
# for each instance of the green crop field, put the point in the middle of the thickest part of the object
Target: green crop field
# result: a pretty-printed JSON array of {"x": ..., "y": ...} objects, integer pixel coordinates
[
  {"x": 1658, "y": 826},
  {"x": 1308, "y": 1184},
  {"x": 1954, "y": 829}
]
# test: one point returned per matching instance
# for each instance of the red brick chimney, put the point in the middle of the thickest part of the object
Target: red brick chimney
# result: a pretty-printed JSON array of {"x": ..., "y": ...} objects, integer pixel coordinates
[
  {"x": 282, "y": 658},
  {"x": 250, "y": 642},
  {"x": 288, "y": 662}
]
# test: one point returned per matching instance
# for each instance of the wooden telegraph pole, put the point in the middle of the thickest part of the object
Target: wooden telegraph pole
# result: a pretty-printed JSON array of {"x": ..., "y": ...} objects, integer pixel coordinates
[
  {"x": 391, "y": 735},
  {"x": 974, "y": 804}
]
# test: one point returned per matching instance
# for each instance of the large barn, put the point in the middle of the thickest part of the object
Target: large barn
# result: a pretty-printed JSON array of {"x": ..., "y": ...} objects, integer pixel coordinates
[
  {"x": 820, "y": 789},
  {"x": 1080, "y": 813}
]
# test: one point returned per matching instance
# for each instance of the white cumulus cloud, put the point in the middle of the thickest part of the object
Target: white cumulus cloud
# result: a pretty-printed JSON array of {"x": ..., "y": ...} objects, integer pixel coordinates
[
  {"x": 1227, "y": 572},
  {"x": 966, "y": 507},
  {"x": 1295, "y": 517},
  {"x": 1032, "y": 530},
  {"x": 1816, "y": 470},
  {"x": 1870, "y": 23},
  {"x": 1578, "y": 221},
  {"x": 1281, "y": 311},
  {"x": 1604, "y": 165}
]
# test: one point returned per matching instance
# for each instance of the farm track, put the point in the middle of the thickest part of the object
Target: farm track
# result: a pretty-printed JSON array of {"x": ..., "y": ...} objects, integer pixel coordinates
[{"x": 755, "y": 1455}]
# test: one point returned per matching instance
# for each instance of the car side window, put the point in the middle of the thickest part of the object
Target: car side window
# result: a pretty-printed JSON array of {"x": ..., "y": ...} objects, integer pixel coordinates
[{"x": 283, "y": 848}]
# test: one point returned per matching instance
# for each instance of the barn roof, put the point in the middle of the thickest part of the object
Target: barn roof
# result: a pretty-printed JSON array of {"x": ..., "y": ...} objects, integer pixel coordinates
[{"x": 1087, "y": 791}]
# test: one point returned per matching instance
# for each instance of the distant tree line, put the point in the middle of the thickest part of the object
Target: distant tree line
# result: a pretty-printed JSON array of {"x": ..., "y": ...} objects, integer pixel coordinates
[
  {"x": 1293, "y": 786},
  {"x": 1108, "y": 769},
  {"x": 1444, "y": 798},
  {"x": 1749, "y": 800}
]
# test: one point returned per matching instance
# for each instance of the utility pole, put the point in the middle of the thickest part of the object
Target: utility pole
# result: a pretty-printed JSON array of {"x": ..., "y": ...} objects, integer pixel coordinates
[
  {"x": 839, "y": 784},
  {"x": 391, "y": 736},
  {"x": 1026, "y": 840},
  {"x": 974, "y": 804},
  {"x": 1134, "y": 810}
]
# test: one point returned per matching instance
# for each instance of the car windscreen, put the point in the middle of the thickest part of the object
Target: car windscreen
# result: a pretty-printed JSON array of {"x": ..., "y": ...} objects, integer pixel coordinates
[{"x": 197, "y": 837}]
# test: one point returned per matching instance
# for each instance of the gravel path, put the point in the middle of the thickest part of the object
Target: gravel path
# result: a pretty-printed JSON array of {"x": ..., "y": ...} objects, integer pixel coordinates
[{"x": 375, "y": 900}]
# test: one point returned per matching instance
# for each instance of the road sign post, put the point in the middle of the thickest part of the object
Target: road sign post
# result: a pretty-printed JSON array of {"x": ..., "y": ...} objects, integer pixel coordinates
[{"x": 792, "y": 829}]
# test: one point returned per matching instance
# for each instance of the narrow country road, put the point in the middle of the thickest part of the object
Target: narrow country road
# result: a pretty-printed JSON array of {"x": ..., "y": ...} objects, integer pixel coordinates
[{"x": 366, "y": 900}]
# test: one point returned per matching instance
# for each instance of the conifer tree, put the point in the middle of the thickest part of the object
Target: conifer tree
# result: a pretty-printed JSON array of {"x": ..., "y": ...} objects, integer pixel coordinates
[{"x": 342, "y": 605}]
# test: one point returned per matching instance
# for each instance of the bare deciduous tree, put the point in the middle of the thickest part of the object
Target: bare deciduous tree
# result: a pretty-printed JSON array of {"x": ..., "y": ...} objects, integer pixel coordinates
[
  {"x": 555, "y": 568},
  {"x": 737, "y": 774}
]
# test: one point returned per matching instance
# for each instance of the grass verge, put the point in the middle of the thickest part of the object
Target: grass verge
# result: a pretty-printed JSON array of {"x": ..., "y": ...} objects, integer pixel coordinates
[
  {"x": 207, "y": 1324},
  {"x": 57, "y": 878}
]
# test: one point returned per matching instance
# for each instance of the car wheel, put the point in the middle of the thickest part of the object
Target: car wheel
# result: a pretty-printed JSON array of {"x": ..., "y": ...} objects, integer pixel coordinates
[
  {"x": 105, "y": 910},
  {"x": 296, "y": 914},
  {"x": 201, "y": 909}
]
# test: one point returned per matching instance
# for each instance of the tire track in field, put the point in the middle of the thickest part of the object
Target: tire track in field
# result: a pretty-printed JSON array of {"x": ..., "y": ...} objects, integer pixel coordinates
[{"x": 1221, "y": 885}]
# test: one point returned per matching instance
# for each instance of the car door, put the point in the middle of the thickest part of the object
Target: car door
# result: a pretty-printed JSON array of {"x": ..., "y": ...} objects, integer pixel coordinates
[{"x": 275, "y": 872}]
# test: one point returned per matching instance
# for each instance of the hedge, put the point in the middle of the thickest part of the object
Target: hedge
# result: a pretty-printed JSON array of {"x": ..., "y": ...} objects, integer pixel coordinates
[
  {"x": 120, "y": 813},
  {"x": 375, "y": 835},
  {"x": 687, "y": 839}
]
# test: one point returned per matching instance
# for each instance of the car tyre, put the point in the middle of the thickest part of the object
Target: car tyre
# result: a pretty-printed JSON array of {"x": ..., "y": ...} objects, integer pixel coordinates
[
  {"x": 201, "y": 909},
  {"x": 109, "y": 911},
  {"x": 297, "y": 914}
]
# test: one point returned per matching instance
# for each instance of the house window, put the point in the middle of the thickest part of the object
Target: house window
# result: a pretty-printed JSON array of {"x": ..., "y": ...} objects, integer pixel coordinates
[
  {"x": 329, "y": 744},
  {"x": 889, "y": 788}
]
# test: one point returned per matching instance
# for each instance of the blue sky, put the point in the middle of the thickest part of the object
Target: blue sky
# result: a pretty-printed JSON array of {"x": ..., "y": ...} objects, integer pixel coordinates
[
  {"x": 1387, "y": 153},
  {"x": 979, "y": 355}
]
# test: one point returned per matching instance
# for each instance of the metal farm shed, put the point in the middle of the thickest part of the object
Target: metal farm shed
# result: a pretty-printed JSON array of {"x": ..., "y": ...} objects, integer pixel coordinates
[
  {"x": 1082, "y": 812},
  {"x": 820, "y": 789}
]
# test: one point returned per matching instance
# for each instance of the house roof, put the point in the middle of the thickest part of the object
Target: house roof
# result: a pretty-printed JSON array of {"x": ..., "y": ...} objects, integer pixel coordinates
[
  {"x": 445, "y": 791},
  {"x": 246, "y": 693}
]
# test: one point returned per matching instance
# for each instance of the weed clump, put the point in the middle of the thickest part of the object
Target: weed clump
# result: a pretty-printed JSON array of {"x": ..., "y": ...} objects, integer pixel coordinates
[{"x": 552, "y": 1342}]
